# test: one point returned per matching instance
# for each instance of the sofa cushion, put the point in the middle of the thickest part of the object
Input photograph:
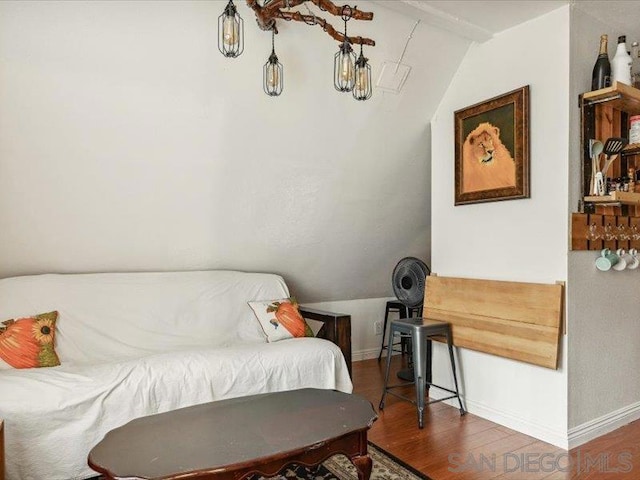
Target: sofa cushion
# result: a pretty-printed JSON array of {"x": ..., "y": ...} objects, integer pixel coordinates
[
  {"x": 29, "y": 342},
  {"x": 280, "y": 319}
]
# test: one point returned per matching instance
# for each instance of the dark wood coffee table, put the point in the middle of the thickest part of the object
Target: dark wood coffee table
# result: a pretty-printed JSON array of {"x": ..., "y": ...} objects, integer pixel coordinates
[{"x": 231, "y": 439}]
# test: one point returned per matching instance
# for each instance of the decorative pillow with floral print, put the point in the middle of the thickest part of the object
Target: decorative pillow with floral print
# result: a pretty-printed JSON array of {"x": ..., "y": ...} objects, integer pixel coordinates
[
  {"x": 281, "y": 319},
  {"x": 28, "y": 342}
]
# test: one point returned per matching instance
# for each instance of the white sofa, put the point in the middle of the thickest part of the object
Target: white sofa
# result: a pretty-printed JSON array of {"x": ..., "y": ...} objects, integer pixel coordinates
[{"x": 134, "y": 344}]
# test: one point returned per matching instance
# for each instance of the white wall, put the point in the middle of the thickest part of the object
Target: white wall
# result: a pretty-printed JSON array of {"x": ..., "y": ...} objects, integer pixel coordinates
[
  {"x": 127, "y": 142},
  {"x": 364, "y": 313},
  {"x": 604, "y": 391},
  {"x": 518, "y": 240}
]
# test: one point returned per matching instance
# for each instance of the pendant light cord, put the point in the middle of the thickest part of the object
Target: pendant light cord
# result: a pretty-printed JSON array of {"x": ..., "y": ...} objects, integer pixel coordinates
[
  {"x": 313, "y": 22},
  {"x": 347, "y": 13},
  {"x": 406, "y": 45},
  {"x": 273, "y": 41}
]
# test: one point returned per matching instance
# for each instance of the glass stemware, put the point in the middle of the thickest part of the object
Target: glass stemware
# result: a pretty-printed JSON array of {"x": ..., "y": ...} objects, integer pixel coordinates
[
  {"x": 594, "y": 232},
  {"x": 622, "y": 233},
  {"x": 609, "y": 233}
]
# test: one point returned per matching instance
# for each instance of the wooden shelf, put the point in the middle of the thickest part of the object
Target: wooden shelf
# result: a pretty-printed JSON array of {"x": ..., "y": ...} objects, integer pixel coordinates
[
  {"x": 605, "y": 114},
  {"x": 631, "y": 149},
  {"x": 619, "y": 96},
  {"x": 619, "y": 198},
  {"x": 602, "y": 200}
]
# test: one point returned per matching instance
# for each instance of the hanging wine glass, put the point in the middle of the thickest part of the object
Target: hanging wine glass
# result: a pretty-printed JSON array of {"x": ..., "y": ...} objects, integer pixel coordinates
[
  {"x": 594, "y": 232},
  {"x": 622, "y": 233},
  {"x": 609, "y": 233}
]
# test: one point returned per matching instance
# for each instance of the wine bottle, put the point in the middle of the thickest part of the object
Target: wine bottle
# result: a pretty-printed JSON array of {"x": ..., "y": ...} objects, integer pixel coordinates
[
  {"x": 601, "y": 76},
  {"x": 621, "y": 63},
  {"x": 635, "y": 65}
]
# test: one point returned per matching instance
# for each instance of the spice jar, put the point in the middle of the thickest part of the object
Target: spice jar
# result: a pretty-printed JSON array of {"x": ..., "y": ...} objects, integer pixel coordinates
[{"x": 634, "y": 129}]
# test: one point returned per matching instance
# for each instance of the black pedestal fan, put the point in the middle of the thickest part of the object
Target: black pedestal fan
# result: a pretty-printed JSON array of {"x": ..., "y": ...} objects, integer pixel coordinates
[{"x": 409, "y": 280}]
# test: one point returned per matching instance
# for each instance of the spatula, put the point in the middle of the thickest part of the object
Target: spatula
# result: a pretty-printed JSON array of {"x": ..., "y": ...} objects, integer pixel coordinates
[{"x": 612, "y": 147}]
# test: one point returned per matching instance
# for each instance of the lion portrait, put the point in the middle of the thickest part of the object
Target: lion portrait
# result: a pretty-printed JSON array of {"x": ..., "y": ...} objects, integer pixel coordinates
[{"x": 486, "y": 162}]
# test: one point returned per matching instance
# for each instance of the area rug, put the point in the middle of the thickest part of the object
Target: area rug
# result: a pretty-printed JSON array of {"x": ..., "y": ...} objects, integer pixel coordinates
[{"x": 385, "y": 467}]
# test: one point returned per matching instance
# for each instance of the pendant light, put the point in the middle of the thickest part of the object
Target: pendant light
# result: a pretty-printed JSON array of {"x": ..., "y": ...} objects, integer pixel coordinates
[
  {"x": 273, "y": 72},
  {"x": 350, "y": 72},
  {"x": 362, "y": 89},
  {"x": 344, "y": 60},
  {"x": 230, "y": 32}
]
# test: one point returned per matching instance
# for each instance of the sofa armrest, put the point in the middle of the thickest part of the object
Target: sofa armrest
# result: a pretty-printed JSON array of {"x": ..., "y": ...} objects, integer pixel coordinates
[{"x": 336, "y": 328}]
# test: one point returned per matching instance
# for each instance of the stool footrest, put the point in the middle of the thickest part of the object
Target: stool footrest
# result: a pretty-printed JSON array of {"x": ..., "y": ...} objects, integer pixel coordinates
[
  {"x": 427, "y": 384},
  {"x": 414, "y": 402},
  {"x": 401, "y": 396}
]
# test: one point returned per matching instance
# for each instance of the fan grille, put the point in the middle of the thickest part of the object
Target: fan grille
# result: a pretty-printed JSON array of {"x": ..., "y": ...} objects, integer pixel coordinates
[{"x": 409, "y": 280}]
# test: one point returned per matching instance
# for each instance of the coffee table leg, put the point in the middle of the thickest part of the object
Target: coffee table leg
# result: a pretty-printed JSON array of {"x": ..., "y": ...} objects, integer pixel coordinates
[{"x": 363, "y": 465}]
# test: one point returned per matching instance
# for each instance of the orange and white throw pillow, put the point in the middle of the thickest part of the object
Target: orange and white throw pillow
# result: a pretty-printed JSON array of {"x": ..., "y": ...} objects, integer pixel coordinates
[
  {"x": 28, "y": 342},
  {"x": 281, "y": 319}
]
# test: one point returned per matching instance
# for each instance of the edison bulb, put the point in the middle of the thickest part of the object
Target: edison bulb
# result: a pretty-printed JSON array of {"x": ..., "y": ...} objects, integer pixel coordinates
[
  {"x": 362, "y": 79},
  {"x": 346, "y": 70},
  {"x": 230, "y": 31},
  {"x": 273, "y": 76}
]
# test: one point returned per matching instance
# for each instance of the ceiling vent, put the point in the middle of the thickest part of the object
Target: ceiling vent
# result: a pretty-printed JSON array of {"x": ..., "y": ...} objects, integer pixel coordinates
[{"x": 392, "y": 76}]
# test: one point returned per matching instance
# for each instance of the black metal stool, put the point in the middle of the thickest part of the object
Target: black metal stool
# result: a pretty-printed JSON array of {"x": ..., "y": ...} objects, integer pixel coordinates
[
  {"x": 403, "y": 312},
  {"x": 420, "y": 330}
]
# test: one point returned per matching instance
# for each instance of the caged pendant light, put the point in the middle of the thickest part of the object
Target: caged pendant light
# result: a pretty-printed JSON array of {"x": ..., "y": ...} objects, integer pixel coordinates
[
  {"x": 273, "y": 72},
  {"x": 351, "y": 73},
  {"x": 230, "y": 32},
  {"x": 362, "y": 89},
  {"x": 344, "y": 60}
]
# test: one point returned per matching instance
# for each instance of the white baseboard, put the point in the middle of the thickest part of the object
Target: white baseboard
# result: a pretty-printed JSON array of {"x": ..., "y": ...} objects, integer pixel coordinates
[
  {"x": 600, "y": 426},
  {"x": 365, "y": 354},
  {"x": 541, "y": 432},
  {"x": 368, "y": 354},
  {"x": 508, "y": 420}
]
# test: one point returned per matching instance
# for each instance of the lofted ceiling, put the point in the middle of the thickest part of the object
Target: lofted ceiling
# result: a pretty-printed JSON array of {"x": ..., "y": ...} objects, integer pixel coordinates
[
  {"x": 472, "y": 19},
  {"x": 620, "y": 14},
  {"x": 480, "y": 20}
]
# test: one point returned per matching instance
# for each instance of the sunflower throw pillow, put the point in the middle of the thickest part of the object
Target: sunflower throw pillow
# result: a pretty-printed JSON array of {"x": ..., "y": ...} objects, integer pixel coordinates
[
  {"x": 28, "y": 342},
  {"x": 281, "y": 319}
]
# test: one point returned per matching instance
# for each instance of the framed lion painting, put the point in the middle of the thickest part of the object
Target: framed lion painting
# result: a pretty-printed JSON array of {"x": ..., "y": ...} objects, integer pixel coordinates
[{"x": 492, "y": 149}]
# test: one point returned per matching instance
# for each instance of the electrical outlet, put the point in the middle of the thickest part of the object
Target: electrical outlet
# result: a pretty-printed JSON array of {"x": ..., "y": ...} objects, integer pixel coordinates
[{"x": 377, "y": 328}]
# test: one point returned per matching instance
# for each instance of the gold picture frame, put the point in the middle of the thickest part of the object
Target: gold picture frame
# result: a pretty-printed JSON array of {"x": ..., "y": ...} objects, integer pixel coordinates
[{"x": 492, "y": 149}]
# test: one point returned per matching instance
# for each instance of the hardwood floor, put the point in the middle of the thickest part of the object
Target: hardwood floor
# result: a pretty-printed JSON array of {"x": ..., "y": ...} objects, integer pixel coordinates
[{"x": 471, "y": 448}]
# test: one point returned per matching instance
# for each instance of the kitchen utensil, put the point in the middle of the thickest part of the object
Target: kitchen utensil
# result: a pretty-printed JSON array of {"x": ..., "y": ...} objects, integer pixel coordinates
[
  {"x": 595, "y": 149},
  {"x": 600, "y": 187},
  {"x": 612, "y": 147}
]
